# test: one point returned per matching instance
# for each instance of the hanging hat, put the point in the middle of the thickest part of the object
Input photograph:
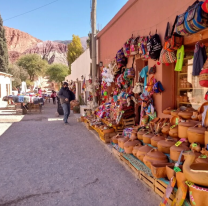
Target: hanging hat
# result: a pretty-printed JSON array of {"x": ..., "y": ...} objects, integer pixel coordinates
[{"x": 205, "y": 6}]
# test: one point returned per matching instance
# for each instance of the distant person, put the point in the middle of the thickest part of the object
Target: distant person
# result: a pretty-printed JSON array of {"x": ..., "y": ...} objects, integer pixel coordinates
[
  {"x": 53, "y": 96},
  {"x": 40, "y": 92},
  {"x": 66, "y": 96}
]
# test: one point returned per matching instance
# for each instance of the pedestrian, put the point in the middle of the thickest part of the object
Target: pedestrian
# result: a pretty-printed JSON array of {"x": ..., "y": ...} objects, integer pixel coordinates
[
  {"x": 66, "y": 96},
  {"x": 53, "y": 96}
]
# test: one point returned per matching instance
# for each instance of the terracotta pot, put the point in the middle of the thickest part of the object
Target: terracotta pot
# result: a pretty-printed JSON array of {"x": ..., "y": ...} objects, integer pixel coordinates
[
  {"x": 164, "y": 145},
  {"x": 185, "y": 114},
  {"x": 206, "y": 138},
  {"x": 174, "y": 120},
  {"x": 110, "y": 130},
  {"x": 197, "y": 172},
  {"x": 121, "y": 142},
  {"x": 135, "y": 150},
  {"x": 154, "y": 157},
  {"x": 196, "y": 134},
  {"x": 198, "y": 195},
  {"x": 159, "y": 170},
  {"x": 142, "y": 151},
  {"x": 147, "y": 138},
  {"x": 183, "y": 127},
  {"x": 135, "y": 128},
  {"x": 173, "y": 131},
  {"x": 195, "y": 116},
  {"x": 166, "y": 129},
  {"x": 175, "y": 152},
  {"x": 182, "y": 189},
  {"x": 202, "y": 160},
  {"x": 167, "y": 111},
  {"x": 140, "y": 133},
  {"x": 200, "y": 117},
  {"x": 156, "y": 139},
  {"x": 175, "y": 112},
  {"x": 133, "y": 136},
  {"x": 170, "y": 171},
  {"x": 195, "y": 147},
  {"x": 130, "y": 144},
  {"x": 115, "y": 138}
]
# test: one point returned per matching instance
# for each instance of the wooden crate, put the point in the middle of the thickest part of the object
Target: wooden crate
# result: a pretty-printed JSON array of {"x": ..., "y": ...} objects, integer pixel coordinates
[
  {"x": 128, "y": 122},
  {"x": 150, "y": 181},
  {"x": 116, "y": 153},
  {"x": 135, "y": 170},
  {"x": 124, "y": 160},
  {"x": 119, "y": 131},
  {"x": 160, "y": 189},
  {"x": 104, "y": 138}
]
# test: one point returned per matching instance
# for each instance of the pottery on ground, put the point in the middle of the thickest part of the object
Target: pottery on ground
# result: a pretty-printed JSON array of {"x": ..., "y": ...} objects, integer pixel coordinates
[
  {"x": 195, "y": 172},
  {"x": 140, "y": 133},
  {"x": 185, "y": 114},
  {"x": 170, "y": 171},
  {"x": 175, "y": 152},
  {"x": 175, "y": 112},
  {"x": 195, "y": 147},
  {"x": 164, "y": 145},
  {"x": 156, "y": 139},
  {"x": 196, "y": 134},
  {"x": 159, "y": 170},
  {"x": 147, "y": 138},
  {"x": 183, "y": 127},
  {"x": 206, "y": 138},
  {"x": 154, "y": 157},
  {"x": 198, "y": 195},
  {"x": 173, "y": 131},
  {"x": 130, "y": 144},
  {"x": 121, "y": 142},
  {"x": 166, "y": 128},
  {"x": 110, "y": 130},
  {"x": 202, "y": 159},
  {"x": 167, "y": 111},
  {"x": 142, "y": 151},
  {"x": 135, "y": 150},
  {"x": 115, "y": 138},
  {"x": 133, "y": 135}
]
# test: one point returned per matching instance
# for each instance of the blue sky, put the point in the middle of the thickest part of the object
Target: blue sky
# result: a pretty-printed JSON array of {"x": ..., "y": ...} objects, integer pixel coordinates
[{"x": 57, "y": 21}]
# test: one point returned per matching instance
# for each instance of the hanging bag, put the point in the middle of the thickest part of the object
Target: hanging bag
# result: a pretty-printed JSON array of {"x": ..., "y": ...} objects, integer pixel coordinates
[
  {"x": 150, "y": 84},
  {"x": 158, "y": 88},
  {"x": 131, "y": 71},
  {"x": 134, "y": 46}
]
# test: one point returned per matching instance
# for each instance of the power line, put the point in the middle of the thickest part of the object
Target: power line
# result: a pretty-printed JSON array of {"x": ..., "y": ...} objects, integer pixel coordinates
[{"x": 31, "y": 10}]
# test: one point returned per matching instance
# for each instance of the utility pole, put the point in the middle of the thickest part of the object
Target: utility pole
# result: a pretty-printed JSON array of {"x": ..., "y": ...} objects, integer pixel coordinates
[{"x": 93, "y": 25}]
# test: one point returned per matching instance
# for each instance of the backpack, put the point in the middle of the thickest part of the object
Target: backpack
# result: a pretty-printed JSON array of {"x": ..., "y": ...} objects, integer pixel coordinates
[
  {"x": 126, "y": 47},
  {"x": 158, "y": 87},
  {"x": 154, "y": 46},
  {"x": 134, "y": 46}
]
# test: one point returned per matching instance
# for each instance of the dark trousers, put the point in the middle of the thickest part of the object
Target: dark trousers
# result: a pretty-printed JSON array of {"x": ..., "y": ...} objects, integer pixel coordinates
[
  {"x": 66, "y": 108},
  {"x": 54, "y": 100}
]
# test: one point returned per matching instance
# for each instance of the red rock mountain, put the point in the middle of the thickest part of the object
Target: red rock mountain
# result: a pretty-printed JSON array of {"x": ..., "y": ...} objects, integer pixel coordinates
[
  {"x": 53, "y": 52},
  {"x": 20, "y": 43}
]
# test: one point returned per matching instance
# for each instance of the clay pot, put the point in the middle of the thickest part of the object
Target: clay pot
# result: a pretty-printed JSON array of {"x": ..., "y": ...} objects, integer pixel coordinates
[
  {"x": 115, "y": 138},
  {"x": 130, "y": 144},
  {"x": 140, "y": 133},
  {"x": 196, "y": 134},
  {"x": 156, "y": 139},
  {"x": 135, "y": 128},
  {"x": 147, "y": 138},
  {"x": 154, "y": 157},
  {"x": 200, "y": 117},
  {"x": 110, "y": 130},
  {"x": 197, "y": 172},
  {"x": 174, "y": 120},
  {"x": 173, "y": 131},
  {"x": 159, "y": 170},
  {"x": 175, "y": 152},
  {"x": 133, "y": 136},
  {"x": 206, "y": 138},
  {"x": 195, "y": 116},
  {"x": 202, "y": 160},
  {"x": 175, "y": 112},
  {"x": 170, "y": 171},
  {"x": 166, "y": 129},
  {"x": 142, "y": 151},
  {"x": 135, "y": 150},
  {"x": 198, "y": 195},
  {"x": 195, "y": 147},
  {"x": 183, "y": 127},
  {"x": 185, "y": 114},
  {"x": 164, "y": 145},
  {"x": 121, "y": 142},
  {"x": 167, "y": 111}
]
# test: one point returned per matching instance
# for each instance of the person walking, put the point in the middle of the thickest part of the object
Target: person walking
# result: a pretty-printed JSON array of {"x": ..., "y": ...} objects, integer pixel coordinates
[
  {"x": 66, "y": 96},
  {"x": 53, "y": 96}
]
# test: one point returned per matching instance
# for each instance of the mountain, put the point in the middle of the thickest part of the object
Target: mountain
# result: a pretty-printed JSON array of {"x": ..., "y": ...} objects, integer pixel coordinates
[
  {"x": 53, "y": 52},
  {"x": 83, "y": 41},
  {"x": 19, "y": 41}
]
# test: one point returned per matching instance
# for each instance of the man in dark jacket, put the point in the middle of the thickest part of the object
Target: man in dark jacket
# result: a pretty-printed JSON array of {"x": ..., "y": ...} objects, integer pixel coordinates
[{"x": 65, "y": 98}]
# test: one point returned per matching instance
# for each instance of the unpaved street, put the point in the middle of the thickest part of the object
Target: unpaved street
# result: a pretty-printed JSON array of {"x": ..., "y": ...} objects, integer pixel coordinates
[{"x": 43, "y": 162}]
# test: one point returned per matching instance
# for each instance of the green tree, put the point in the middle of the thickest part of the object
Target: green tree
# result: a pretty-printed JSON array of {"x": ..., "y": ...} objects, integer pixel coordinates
[
  {"x": 75, "y": 49},
  {"x": 4, "y": 62},
  {"x": 33, "y": 64},
  {"x": 19, "y": 75},
  {"x": 57, "y": 72}
]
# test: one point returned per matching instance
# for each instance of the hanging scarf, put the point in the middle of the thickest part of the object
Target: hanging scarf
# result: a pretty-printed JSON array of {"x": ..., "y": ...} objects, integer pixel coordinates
[{"x": 143, "y": 74}]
